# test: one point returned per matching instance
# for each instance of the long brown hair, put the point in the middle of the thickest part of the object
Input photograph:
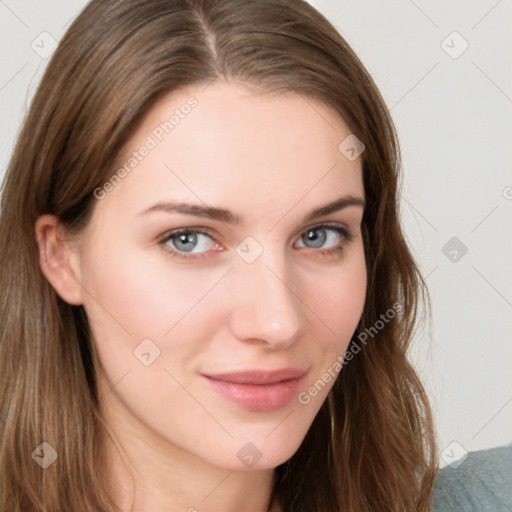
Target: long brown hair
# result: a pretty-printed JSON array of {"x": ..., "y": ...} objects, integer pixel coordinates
[{"x": 371, "y": 447}]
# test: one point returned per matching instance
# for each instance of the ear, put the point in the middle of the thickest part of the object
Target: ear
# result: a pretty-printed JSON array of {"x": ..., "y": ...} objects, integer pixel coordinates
[{"x": 59, "y": 261}]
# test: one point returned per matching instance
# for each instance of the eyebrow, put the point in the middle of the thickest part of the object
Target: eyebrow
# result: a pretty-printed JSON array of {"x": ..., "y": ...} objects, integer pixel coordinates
[{"x": 229, "y": 217}]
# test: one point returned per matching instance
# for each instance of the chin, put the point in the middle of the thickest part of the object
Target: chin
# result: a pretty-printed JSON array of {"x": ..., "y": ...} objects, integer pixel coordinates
[{"x": 260, "y": 452}]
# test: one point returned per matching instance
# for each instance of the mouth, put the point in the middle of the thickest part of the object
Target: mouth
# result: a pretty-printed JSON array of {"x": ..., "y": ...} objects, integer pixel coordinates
[{"x": 258, "y": 390}]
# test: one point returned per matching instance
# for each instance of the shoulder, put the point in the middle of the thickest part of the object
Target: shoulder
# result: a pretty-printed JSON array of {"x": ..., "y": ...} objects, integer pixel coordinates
[{"x": 482, "y": 482}]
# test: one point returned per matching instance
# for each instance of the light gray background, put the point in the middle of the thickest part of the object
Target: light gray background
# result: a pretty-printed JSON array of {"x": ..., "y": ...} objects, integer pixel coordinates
[{"x": 453, "y": 113}]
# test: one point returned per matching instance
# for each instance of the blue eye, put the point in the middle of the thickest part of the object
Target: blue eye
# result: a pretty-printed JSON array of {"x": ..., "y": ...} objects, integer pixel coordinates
[
  {"x": 196, "y": 243},
  {"x": 182, "y": 243},
  {"x": 319, "y": 235},
  {"x": 187, "y": 241}
]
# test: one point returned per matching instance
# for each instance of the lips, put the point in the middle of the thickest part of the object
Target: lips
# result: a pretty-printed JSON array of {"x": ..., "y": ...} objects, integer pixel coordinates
[{"x": 258, "y": 390}]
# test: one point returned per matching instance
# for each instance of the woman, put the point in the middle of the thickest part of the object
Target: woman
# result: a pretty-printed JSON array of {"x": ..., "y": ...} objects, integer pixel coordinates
[{"x": 208, "y": 298}]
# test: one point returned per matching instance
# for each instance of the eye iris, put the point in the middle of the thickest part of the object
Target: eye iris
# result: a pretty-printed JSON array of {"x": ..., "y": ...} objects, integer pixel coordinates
[
  {"x": 311, "y": 236},
  {"x": 186, "y": 238}
]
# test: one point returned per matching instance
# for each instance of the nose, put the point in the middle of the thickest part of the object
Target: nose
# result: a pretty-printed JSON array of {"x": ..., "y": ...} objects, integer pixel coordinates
[{"x": 266, "y": 308}]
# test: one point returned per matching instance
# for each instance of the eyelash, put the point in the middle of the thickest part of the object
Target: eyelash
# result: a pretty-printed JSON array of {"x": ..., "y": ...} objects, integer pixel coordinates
[{"x": 344, "y": 233}]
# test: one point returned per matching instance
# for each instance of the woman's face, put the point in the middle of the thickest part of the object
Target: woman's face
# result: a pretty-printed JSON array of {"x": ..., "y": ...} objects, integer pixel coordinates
[{"x": 214, "y": 320}]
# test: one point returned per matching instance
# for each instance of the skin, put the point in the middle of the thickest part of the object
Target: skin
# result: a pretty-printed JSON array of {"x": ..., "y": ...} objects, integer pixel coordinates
[{"x": 271, "y": 159}]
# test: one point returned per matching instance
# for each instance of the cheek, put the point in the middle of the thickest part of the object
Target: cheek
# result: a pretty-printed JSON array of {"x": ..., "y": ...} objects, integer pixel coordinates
[
  {"x": 135, "y": 296},
  {"x": 144, "y": 310},
  {"x": 144, "y": 295},
  {"x": 338, "y": 297},
  {"x": 337, "y": 300}
]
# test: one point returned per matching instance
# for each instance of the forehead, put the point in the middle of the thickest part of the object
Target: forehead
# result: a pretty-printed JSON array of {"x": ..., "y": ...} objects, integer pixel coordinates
[{"x": 225, "y": 143}]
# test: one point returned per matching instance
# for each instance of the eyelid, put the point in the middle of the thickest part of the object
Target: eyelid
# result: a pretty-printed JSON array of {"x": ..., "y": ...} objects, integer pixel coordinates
[{"x": 329, "y": 224}]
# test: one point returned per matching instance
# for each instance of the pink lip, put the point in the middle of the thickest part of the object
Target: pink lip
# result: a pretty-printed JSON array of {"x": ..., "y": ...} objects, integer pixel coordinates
[{"x": 258, "y": 390}]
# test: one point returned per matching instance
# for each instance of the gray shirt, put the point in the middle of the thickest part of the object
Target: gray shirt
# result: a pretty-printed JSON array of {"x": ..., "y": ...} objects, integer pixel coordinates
[{"x": 482, "y": 483}]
